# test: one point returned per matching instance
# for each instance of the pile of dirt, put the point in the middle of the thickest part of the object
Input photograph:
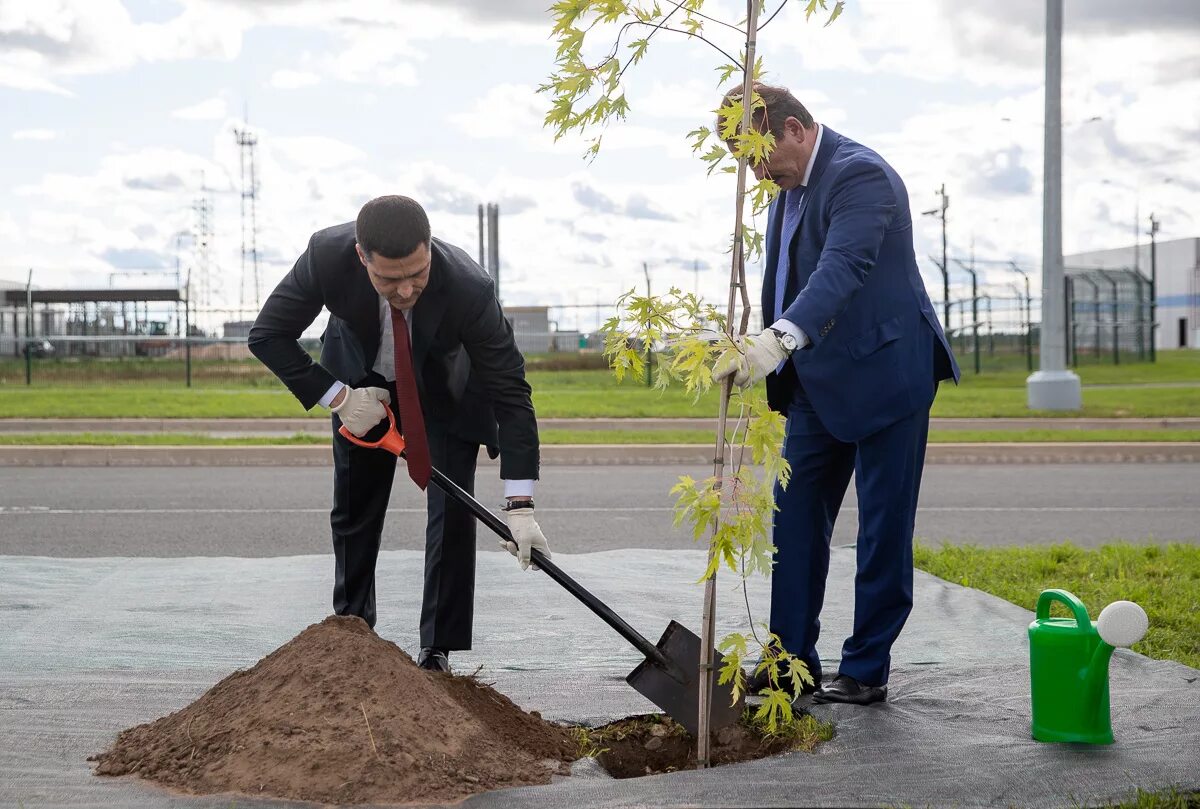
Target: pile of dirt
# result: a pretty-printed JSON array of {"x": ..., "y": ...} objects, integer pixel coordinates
[
  {"x": 340, "y": 715},
  {"x": 652, "y": 744}
]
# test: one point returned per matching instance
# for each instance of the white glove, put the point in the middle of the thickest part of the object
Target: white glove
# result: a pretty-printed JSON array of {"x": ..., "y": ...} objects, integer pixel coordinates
[
  {"x": 526, "y": 536},
  {"x": 758, "y": 356},
  {"x": 363, "y": 408}
]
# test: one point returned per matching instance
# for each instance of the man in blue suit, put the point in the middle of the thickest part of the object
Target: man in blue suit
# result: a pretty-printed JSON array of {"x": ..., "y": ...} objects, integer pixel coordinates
[{"x": 853, "y": 358}]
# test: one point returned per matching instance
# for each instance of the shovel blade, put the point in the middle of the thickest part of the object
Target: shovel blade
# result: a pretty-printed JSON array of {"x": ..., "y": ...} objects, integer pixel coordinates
[{"x": 681, "y": 700}]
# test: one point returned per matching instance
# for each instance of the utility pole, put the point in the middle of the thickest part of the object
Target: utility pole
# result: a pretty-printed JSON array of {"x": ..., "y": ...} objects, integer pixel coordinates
[
  {"x": 1052, "y": 386},
  {"x": 941, "y": 213},
  {"x": 1153, "y": 288}
]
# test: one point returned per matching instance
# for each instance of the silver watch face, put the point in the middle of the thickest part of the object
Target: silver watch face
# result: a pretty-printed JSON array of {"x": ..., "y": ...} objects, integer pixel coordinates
[{"x": 786, "y": 340}]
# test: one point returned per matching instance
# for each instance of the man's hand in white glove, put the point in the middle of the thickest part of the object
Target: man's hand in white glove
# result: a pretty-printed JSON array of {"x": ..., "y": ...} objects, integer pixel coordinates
[
  {"x": 526, "y": 536},
  {"x": 360, "y": 409},
  {"x": 756, "y": 356}
]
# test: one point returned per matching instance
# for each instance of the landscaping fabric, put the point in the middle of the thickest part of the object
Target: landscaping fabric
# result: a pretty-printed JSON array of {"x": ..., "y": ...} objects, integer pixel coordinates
[{"x": 89, "y": 647}]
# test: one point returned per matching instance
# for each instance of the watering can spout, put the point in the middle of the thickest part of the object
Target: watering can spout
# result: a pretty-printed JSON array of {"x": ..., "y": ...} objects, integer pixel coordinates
[{"x": 1095, "y": 678}]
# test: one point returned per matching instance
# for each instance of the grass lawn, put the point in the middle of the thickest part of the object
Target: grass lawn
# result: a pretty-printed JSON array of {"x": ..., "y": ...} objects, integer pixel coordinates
[
  {"x": 592, "y": 393},
  {"x": 557, "y": 436},
  {"x": 1164, "y": 579},
  {"x": 1171, "y": 799}
]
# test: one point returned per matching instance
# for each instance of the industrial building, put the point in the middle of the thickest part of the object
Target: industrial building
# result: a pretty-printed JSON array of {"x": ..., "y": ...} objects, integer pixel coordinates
[{"x": 1097, "y": 278}]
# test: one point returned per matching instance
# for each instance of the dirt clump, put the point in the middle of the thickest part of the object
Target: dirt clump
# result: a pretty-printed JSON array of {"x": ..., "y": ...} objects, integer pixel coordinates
[
  {"x": 652, "y": 744},
  {"x": 340, "y": 715}
]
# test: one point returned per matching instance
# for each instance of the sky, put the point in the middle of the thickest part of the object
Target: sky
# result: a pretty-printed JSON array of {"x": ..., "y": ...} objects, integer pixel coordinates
[{"x": 120, "y": 115}]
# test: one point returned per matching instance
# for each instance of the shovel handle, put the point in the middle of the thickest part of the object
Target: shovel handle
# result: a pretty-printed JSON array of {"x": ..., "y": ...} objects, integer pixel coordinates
[{"x": 498, "y": 526}]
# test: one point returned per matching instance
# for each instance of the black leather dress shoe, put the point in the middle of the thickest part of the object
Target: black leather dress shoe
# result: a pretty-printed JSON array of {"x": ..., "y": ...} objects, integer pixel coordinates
[
  {"x": 845, "y": 688},
  {"x": 432, "y": 659},
  {"x": 757, "y": 683}
]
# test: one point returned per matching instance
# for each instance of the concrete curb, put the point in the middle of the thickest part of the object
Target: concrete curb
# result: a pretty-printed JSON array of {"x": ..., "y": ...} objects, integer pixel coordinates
[
  {"x": 583, "y": 454},
  {"x": 321, "y": 425}
]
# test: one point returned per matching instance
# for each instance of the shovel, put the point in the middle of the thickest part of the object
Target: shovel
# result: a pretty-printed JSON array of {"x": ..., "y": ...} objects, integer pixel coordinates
[{"x": 669, "y": 676}]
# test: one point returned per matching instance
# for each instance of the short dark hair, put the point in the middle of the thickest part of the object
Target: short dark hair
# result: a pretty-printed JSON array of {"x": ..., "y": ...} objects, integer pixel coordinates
[
  {"x": 779, "y": 105},
  {"x": 392, "y": 226}
]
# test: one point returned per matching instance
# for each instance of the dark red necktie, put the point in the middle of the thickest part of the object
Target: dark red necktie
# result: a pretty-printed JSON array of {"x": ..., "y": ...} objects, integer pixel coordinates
[{"x": 408, "y": 401}]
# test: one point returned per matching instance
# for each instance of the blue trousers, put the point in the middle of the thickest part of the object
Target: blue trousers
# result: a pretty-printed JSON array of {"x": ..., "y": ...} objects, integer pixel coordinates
[{"x": 887, "y": 468}]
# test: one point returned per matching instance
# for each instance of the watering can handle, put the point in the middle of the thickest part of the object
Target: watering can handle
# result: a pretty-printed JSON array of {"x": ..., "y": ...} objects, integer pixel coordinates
[{"x": 1063, "y": 597}]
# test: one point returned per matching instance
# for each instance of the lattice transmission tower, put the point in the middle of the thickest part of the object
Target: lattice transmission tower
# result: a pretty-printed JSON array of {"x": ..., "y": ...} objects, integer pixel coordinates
[{"x": 248, "y": 143}]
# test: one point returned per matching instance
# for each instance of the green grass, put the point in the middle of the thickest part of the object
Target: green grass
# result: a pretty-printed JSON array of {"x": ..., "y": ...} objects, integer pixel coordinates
[
  {"x": 553, "y": 398},
  {"x": 1167, "y": 799},
  {"x": 1171, "y": 367},
  {"x": 1036, "y": 436},
  {"x": 1164, "y": 579},
  {"x": 594, "y": 393},
  {"x": 972, "y": 401},
  {"x": 153, "y": 440},
  {"x": 558, "y": 436}
]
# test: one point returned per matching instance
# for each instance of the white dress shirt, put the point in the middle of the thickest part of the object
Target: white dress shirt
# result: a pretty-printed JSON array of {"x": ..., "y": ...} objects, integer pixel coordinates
[
  {"x": 385, "y": 366},
  {"x": 783, "y": 324}
]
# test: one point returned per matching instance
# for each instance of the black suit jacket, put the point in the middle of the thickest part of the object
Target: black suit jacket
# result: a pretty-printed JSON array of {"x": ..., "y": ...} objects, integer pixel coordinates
[{"x": 470, "y": 375}]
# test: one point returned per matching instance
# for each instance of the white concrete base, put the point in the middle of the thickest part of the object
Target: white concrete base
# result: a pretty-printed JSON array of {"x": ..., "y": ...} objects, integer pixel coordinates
[{"x": 1054, "y": 390}]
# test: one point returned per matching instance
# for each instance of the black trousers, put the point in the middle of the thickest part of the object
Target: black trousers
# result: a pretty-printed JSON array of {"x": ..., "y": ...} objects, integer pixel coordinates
[{"x": 362, "y": 486}]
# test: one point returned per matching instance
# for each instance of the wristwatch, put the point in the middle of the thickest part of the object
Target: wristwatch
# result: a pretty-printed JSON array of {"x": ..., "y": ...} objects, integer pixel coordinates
[
  {"x": 516, "y": 505},
  {"x": 786, "y": 340}
]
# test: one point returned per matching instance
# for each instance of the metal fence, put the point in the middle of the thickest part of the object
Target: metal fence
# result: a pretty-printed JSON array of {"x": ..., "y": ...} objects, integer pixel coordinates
[
  {"x": 993, "y": 326},
  {"x": 1109, "y": 316}
]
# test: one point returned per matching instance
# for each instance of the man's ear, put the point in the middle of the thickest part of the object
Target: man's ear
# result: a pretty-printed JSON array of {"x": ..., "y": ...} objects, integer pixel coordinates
[
  {"x": 794, "y": 127},
  {"x": 361, "y": 255}
]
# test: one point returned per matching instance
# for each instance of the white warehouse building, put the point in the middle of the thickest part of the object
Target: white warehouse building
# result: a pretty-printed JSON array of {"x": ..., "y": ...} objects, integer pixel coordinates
[{"x": 1178, "y": 284}]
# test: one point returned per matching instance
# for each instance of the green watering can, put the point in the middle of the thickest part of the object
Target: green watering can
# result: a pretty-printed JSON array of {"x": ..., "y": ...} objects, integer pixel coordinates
[{"x": 1068, "y": 667}]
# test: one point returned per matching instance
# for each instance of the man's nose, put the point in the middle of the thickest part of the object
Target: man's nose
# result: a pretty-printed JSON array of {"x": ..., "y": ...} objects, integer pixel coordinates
[{"x": 405, "y": 290}]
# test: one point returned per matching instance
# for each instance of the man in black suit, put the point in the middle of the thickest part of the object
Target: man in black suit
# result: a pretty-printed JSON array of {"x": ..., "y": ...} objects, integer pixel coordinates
[{"x": 406, "y": 306}]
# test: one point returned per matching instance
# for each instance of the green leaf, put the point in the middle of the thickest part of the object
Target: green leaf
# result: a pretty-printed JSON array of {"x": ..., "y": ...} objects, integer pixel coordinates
[
  {"x": 726, "y": 71},
  {"x": 638, "y": 46},
  {"x": 776, "y": 708}
]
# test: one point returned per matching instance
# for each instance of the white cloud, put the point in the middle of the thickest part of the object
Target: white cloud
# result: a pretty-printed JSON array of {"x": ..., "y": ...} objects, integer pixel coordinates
[
  {"x": 34, "y": 134},
  {"x": 211, "y": 109},
  {"x": 504, "y": 111},
  {"x": 293, "y": 79},
  {"x": 315, "y": 151},
  {"x": 950, "y": 74}
]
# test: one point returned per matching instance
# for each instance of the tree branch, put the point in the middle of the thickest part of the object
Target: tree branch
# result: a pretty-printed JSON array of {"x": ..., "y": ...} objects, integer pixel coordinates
[
  {"x": 768, "y": 22},
  {"x": 662, "y": 27},
  {"x": 730, "y": 26}
]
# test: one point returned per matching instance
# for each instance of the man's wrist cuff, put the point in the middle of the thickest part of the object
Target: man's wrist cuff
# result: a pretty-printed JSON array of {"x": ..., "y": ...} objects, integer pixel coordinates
[{"x": 331, "y": 394}]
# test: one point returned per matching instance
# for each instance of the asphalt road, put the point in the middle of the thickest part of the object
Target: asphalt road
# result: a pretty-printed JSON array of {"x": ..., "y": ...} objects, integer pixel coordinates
[{"x": 258, "y": 512}]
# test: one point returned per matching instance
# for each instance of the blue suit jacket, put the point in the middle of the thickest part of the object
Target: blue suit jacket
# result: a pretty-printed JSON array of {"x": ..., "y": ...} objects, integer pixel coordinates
[{"x": 877, "y": 347}]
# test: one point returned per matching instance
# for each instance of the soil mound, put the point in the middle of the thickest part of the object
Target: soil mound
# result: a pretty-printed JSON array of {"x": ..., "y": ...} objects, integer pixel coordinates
[
  {"x": 652, "y": 744},
  {"x": 340, "y": 715}
]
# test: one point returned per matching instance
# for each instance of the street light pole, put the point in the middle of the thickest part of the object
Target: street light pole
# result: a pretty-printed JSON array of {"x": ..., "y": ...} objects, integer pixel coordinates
[
  {"x": 944, "y": 267},
  {"x": 1053, "y": 387}
]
